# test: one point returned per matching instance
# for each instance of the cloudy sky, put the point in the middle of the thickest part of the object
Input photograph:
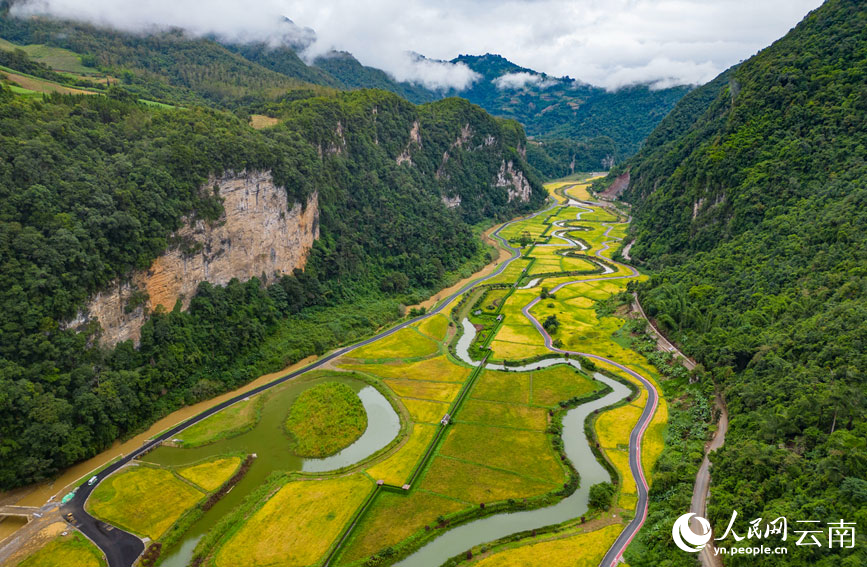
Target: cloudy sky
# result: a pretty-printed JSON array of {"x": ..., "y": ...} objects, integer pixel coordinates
[{"x": 610, "y": 43}]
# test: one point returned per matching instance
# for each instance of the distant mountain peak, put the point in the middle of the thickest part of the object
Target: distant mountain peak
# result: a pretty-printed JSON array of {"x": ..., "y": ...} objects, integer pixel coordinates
[{"x": 297, "y": 37}]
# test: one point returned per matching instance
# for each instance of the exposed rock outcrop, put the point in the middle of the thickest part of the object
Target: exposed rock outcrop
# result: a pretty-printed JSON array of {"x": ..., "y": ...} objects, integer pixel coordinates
[
  {"x": 465, "y": 136},
  {"x": 452, "y": 202},
  {"x": 414, "y": 138},
  {"x": 513, "y": 180},
  {"x": 259, "y": 235},
  {"x": 339, "y": 145},
  {"x": 696, "y": 206},
  {"x": 700, "y": 205},
  {"x": 617, "y": 187}
]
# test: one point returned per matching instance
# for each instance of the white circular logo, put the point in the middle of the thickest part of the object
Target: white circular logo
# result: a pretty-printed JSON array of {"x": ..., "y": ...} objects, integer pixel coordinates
[{"x": 685, "y": 538}]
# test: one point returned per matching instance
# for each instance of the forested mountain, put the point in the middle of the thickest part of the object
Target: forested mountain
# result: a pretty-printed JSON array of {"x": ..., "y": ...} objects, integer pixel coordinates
[
  {"x": 337, "y": 69},
  {"x": 353, "y": 75},
  {"x": 92, "y": 187},
  {"x": 562, "y": 107},
  {"x": 581, "y": 127},
  {"x": 285, "y": 61},
  {"x": 169, "y": 67},
  {"x": 750, "y": 205}
]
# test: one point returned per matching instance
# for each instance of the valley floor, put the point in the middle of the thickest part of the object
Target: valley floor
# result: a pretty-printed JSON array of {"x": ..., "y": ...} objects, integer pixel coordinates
[{"x": 481, "y": 392}]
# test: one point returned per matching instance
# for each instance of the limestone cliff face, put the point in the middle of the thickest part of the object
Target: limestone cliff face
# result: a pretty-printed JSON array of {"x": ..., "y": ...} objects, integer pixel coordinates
[
  {"x": 513, "y": 180},
  {"x": 259, "y": 235},
  {"x": 414, "y": 139}
]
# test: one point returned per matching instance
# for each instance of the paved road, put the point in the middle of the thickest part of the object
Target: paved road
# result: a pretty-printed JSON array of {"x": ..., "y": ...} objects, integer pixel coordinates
[
  {"x": 122, "y": 548},
  {"x": 702, "y": 483},
  {"x": 615, "y": 553},
  {"x": 663, "y": 342}
]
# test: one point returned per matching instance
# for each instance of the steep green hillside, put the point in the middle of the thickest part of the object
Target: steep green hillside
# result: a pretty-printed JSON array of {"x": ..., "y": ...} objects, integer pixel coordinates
[
  {"x": 559, "y": 157},
  {"x": 584, "y": 127},
  {"x": 353, "y": 75},
  {"x": 170, "y": 66},
  {"x": 751, "y": 206},
  {"x": 284, "y": 60},
  {"x": 92, "y": 186}
]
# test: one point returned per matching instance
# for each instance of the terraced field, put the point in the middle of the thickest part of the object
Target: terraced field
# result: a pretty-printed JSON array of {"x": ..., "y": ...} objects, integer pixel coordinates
[
  {"x": 63, "y": 551},
  {"x": 475, "y": 439},
  {"x": 497, "y": 448}
]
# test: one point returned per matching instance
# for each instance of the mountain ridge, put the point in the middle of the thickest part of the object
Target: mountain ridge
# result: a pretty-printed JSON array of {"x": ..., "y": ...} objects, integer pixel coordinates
[
  {"x": 749, "y": 206},
  {"x": 588, "y": 127}
]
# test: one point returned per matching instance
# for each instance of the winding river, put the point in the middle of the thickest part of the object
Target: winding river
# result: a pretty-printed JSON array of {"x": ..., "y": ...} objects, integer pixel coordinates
[
  {"x": 578, "y": 450},
  {"x": 271, "y": 446}
]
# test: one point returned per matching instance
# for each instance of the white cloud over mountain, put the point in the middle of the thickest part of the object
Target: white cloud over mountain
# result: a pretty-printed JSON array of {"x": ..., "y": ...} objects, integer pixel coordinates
[{"x": 610, "y": 43}]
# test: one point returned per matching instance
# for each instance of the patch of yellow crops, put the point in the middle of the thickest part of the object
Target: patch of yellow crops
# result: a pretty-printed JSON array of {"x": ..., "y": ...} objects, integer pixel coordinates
[
  {"x": 406, "y": 343},
  {"x": 397, "y": 468},
  {"x": 297, "y": 525},
  {"x": 425, "y": 411},
  {"x": 582, "y": 550},
  {"x": 438, "y": 369},
  {"x": 437, "y": 391},
  {"x": 144, "y": 500},
  {"x": 654, "y": 440},
  {"x": 435, "y": 326},
  {"x": 211, "y": 475}
]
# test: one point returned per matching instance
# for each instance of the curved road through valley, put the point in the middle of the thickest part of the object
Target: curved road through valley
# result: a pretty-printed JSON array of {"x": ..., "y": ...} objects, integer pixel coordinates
[
  {"x": 122, "y": 548},
  {"x": 615, "y": 553}
]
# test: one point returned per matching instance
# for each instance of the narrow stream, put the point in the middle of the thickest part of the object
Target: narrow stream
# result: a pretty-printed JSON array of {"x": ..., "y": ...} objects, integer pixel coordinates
[
  {"x": 272, "y": 447},
  {"x": 466, "y": 340},
  {"x": 577, "y": 448},
  {"x": 463, "y": 537}
]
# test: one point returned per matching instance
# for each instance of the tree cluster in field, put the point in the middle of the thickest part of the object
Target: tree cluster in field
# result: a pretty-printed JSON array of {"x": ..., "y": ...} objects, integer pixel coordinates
[
  {"x": 750, "y": 207},
  {"x": 215, "y": 497},
  {"x": 93, "y": 186},
  {"x": 325, "y": 419},
  {"x": 601, "y": 495},
  {"x": 151, "y": 554}
]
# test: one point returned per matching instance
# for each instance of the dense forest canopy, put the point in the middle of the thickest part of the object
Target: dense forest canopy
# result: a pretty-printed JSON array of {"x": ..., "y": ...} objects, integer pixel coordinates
[
  {"x": 585, "y": 128},
  {"x": 91, "y": 187},
  {"x": 749, "y": 205}
]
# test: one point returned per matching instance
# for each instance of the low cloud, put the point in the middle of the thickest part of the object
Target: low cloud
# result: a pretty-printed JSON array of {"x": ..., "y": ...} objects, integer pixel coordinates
[
  {"x": 264, "y": 21},
  {"x": 436, "y": 75},
  {"x": 662, "y": 73},
  {"x": 522, "y": 79},
  {"x": 610, "y": 43}
]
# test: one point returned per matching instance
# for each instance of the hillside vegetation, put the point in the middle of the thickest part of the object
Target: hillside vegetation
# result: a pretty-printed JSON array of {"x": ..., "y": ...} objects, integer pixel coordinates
[
  {"x": 750, "y": 205},
  {"x": 93, "y": 186},
  {"x": 582, "y": 127}
]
